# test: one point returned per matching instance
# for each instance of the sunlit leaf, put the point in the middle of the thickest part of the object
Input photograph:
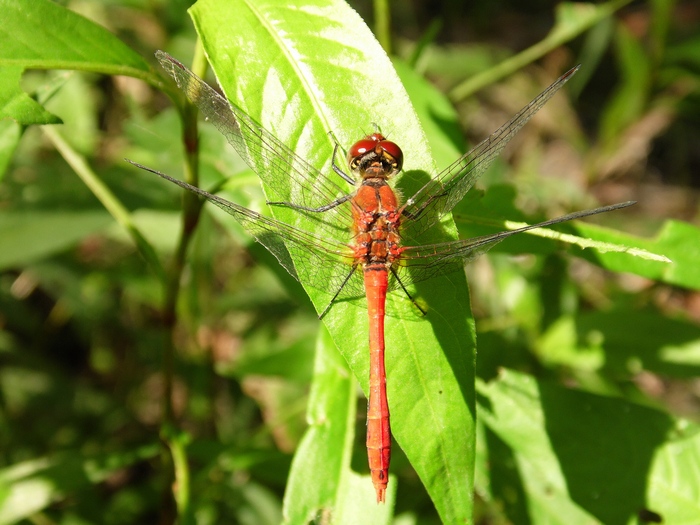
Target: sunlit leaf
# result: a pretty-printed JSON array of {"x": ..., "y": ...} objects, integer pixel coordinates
[
  {"x": 565, "y": 462},
  {"x": 43, "y": 35},
  {"x": 300, "y": 99}
]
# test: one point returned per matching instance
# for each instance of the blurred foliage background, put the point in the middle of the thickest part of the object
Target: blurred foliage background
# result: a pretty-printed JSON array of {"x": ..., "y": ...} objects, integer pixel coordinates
[{"x": 82, "y": 321}]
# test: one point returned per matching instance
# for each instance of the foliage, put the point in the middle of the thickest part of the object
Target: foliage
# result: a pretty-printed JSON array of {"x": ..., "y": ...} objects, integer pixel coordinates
[{"x": 160, "y": 366}]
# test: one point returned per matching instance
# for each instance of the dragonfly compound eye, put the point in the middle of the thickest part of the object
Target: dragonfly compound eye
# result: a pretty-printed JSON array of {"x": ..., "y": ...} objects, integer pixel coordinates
[{"x": 374, "y": 148}]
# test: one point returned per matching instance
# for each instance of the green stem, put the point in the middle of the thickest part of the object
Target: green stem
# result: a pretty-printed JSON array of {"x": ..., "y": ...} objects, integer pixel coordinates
[
  {"x": 382, "y": 21},
  {"x": 572, "y": 20},
  {"x": 106, "y": 197},
  {"x": 192, "y": 207},
  {"x": 177, "y": 443},
  {"x": 171, "y": 281}
]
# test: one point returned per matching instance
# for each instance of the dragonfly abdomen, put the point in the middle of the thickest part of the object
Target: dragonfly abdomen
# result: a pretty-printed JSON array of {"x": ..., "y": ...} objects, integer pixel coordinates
[{"x": 378, "y": 430}]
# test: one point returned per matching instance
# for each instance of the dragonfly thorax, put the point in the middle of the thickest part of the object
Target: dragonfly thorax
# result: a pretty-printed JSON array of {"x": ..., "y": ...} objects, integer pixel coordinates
[{"x": 375, "y": 157}]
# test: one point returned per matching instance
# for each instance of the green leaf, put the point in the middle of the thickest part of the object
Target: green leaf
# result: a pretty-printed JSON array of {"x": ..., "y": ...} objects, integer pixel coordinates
[
  {"x": 631, "y": 96},
  {"x": 565, "y": 463},
  {"x": 321, "y": 482},
  {"x": 28, "y": 487},
  {"x": 15, "y": 104},
  {"x": 622, "y": 342},
  {"x": 10, "y": 133},
  {"x": 437, "y": 115},
  {"x": 483, "y": 214},
  {"x": 303, "y": 71},
  {"x": 43, "y": 35},
  {"x": 177, "y": 442},
  {"x": 592, "y": 52},
  {"x": 684, "y": 53},
  {"x": 661, "y": 19},
  {"x": 27, "y": 237},
  {"x": 679, "y": 241}
]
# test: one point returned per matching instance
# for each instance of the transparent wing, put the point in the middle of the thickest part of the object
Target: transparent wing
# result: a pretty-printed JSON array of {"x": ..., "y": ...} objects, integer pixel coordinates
[
  {"x": 419, "y": 263},
  {"x": 320, "y": 263},
  {"x": 438, "y": 196},
  {"x": 287, "y": 177}
]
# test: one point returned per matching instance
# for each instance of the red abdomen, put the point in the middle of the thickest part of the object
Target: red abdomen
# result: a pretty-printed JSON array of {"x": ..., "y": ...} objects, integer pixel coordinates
[{"x": 378, "y": 431}]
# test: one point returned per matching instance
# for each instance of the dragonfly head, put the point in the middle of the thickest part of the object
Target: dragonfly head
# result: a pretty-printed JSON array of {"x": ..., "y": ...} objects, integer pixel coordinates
[{"x": 375, "y": 157}]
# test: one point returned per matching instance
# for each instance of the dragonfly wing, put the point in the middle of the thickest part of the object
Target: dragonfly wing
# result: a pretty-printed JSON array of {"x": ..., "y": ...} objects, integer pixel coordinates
[
  {"x": 310, "y": 259},
  {"x": 419, "y": 263},
  {"x": 287, "y": 177},
  {"x": 443, "y": 192}
]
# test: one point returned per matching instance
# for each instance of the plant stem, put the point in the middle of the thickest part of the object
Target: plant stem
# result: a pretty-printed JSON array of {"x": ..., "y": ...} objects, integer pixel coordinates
[
  {"x": 191, "y": 209},
  {"x": 382, "y": 21},
  {"x": 105, "y": 196},
  {"x": 572, "y": 20}
]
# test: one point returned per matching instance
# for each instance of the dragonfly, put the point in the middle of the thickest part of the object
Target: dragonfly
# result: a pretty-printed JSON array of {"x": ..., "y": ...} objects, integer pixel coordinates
[{"x": 357, "y": 247}]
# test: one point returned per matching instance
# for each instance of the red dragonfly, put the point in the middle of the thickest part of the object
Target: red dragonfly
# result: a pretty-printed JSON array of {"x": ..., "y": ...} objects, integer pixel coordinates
[{"x": 372, "y": 261}]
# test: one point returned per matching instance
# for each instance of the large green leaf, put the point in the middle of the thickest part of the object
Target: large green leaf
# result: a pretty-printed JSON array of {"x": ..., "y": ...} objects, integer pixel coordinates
[
  {"x": 584, "y": 458},
  {"x": 43, "y": 35},
  {"x": 304, "y": 70}
]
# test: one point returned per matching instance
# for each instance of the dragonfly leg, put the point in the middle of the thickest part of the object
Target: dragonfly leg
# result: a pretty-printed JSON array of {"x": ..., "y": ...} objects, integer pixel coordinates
[
  {"x": 330, "y": 205},
  {"x": 337, "y": 169},
  {"x": 415, "y": 303},
  {"x": 337, "y": 293},
  {"x": 347, "y": 178}
]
